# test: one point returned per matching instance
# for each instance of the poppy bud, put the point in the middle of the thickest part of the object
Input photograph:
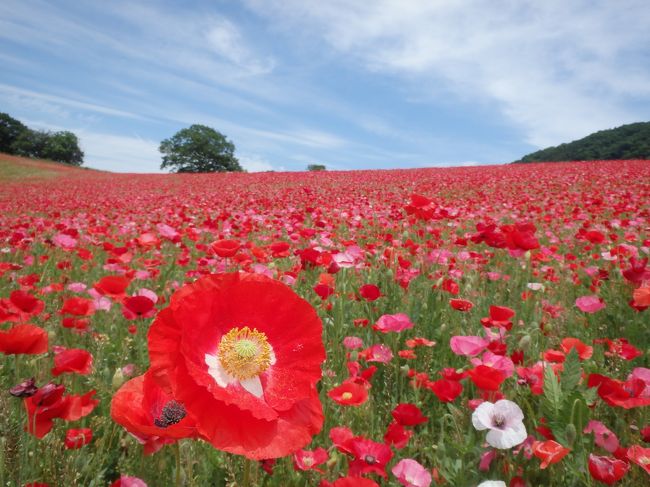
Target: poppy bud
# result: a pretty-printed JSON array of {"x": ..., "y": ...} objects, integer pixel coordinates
[
  {"x": 570, "y": 432},
  {"x": 524, "y": 343},
  {"x": 118, "y": 378}
]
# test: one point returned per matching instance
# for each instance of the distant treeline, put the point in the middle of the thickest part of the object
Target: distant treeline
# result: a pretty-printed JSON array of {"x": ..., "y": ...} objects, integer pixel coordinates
[
  {"x": 18, "y": 139},
  {"x": 630, "y": 141}
]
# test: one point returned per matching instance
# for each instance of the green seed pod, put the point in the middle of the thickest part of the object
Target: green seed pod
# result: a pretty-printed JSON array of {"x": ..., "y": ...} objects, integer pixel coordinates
[
  {"x": 524, "y": 343},
  {"x": 118, "y": 378},
  {"x": 570, "y": 433}
]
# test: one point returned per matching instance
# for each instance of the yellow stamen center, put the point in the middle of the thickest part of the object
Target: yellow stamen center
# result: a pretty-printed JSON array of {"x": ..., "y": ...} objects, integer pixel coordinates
[
  {"x": 346, "y": 396},
  {"x": 244, "y": 353}
]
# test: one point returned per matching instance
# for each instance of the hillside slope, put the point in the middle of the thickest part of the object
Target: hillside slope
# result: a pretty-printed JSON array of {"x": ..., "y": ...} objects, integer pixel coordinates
[
  {"x": 15, "y": 168},
  {"x": 630, "y": 141}
]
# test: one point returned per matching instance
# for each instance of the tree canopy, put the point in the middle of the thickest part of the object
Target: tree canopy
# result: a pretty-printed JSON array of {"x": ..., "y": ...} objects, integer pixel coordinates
[
  {"x": 18, "y": 139},
  {"x": 198, "y": 148},
  {"x": 630, "y": 141}
]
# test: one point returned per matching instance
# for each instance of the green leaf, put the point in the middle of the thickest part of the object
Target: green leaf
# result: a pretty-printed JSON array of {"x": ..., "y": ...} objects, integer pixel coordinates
[
  {"x": 572, "y": 373},
  {"x": 552, "y": 403}
]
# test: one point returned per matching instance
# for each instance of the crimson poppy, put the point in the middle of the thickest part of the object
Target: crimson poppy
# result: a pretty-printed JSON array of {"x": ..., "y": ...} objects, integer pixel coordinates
[
  {"x": 151, "y": 415},
  {"x": 446, "y": 390},
  {"x": 308, "y": 460},
  {"x": 369, "y": 457},
  {"x": 225, "y": 248},
  {"x": 349, "y": 394},
  {"x": 486, "y": 378},
  {"x": 397, "y": 435},
  {"x": 24, "y": 339},
  {"x": 606, "y": 469},
  {"x": 72, "y": 361},
  {"x": 549, "y": 452},
  {"x": 408, "y": 415},
  {"x": 461, "y": 304},
  {"x": 369, "y": 292},
  {"x": 113, "y": 286},
  {"x": 76, "y": 438},
  {"x": 242, "y": 353}
]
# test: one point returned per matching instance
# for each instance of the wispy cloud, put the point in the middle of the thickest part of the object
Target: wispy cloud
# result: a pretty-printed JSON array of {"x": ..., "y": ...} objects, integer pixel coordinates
[
  {"x": 54, "y": 101},
  {"x": 558, "y": 69}
]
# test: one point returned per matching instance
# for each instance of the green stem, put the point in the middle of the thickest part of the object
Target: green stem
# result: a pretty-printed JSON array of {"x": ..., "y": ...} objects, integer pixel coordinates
[{"x": 177, "y": 454}]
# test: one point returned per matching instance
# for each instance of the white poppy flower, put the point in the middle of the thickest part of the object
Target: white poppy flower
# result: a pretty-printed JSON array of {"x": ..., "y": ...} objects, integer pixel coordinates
[
  {"x": 504, "y": 419},
  {"x": 492, "y": 483}
]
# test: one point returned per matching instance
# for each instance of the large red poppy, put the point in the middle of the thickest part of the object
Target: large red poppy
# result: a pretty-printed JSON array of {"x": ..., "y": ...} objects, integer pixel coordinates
[{"x": 242, "y": 353}]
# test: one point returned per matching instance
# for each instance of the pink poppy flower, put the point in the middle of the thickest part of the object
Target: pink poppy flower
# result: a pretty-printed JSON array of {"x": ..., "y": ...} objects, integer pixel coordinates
[
  {"x": 590, "y": 304},
  {"x": 397, "y": 322},
  {"x": 411, "y": 474},
  {"x": 468, "y": 345}
]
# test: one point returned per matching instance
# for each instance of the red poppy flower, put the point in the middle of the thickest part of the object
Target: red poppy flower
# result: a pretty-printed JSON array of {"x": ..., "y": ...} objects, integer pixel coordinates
[
  {"x": 340, "y": 436},
  {"x": 308, "y": 460},
  {"x": 113, "y": 286},
  {"x": 49, "y": 403},
  {"x": 225, "y": 248},
  {"x": 461, "y": 304},
  {"x": 349, "y": 394},
  {"x": 150, "y": 414},
  {"x": 549, "y": 452},
  {"x": 446, "y": 390},
  {"x": 243, "y": 354},
  {"x": 72, "y": 361},
  {"x": 355, "y": 482},
  {"x": 486, "y": 378},
  {"x": 369, "y": 457},
  {"x": 76, "y": 438},
  {"x": 135, "y": 307},
  {"x": 627, "y": 394},
  {"x": 499, "y": 317},
  {"x": 606, "y": 469},
  {"x": 640, "y": 456},
  {"x": 23, "y": 339},
  {"x": 408, "y": 415},
  {"x": 397, "y": 436},
  {"x": 25, "y": 305},
  {"x": 369, "y": 292},
  {"x": 78, "y": 307}
]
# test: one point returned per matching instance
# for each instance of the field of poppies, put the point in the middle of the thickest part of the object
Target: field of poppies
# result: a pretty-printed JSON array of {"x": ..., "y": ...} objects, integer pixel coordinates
[{"x": 463, "y": 327}]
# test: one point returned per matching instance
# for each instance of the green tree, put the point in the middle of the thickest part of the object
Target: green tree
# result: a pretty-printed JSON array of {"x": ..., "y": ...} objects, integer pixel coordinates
[
  {"x": 198, "y": 149},
  {"x": 10, "y": 130},
  {"x": 63, "y": 147},
  {"x": 30, "y": 143},
  {"x": 316, "y": 167}
]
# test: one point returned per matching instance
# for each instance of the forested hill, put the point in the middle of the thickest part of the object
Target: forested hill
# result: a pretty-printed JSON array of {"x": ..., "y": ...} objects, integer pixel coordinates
[{"x": 630, "y": 141}]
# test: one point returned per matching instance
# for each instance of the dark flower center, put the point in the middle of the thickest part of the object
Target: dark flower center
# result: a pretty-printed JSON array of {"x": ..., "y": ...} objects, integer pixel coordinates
[
  {"x": 498, "y": 421},
  {"x": 370, "y": 459},
  {"x": 172, "y": 413}
]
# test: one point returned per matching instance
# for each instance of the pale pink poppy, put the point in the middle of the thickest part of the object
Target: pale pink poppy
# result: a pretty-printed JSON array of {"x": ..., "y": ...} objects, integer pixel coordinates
[
  {"x": 590, "y": 304},
  {"x": 504, "y": 420},
  {"x": 411, "y": 474},
  {"x": 468, "y": 345}
]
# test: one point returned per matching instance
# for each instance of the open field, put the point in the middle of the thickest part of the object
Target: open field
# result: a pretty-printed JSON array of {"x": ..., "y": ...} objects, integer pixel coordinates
[{"x": 437, "y": 288}]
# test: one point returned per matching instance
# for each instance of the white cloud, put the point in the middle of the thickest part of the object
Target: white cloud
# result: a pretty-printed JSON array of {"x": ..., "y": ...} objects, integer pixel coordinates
[
  {"x": 227, "y": 41},
  {"x": 558, "y": 69},
  {"x": 256, "y": 163},
  {"x": 119, "y": 153}
]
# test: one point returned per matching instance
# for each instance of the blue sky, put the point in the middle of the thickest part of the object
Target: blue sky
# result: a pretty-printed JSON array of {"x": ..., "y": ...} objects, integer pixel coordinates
[{"x": 349, "y": 84}]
